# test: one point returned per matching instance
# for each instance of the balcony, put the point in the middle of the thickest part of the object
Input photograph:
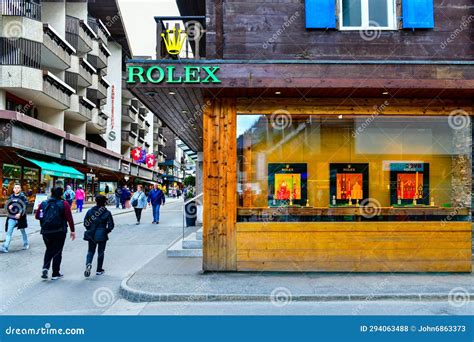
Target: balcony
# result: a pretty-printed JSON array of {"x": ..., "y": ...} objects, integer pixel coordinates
[
  {"x": 56, "y": 89},
  {"x": 81, "y": 109},
  {"x": 79, "y": 34},
  {"x": 99, "y": 28},
  {"x": 21, "y": 8},
  {"x": 97, "y": 92},
  {"x": 129, "y": 113},
  {"x": 142, "y": 112},
  {"x": 128, "y": 138},
  {"x": 98, "y": 56},
  {"x": 55, "y": 52},
  {"x": 98, "y": 124},
  {"x": 194, "y": 26},
  {"x": 126, "y": 93},
  {"x": 80, "y": 74},
  {"x": 21, "y": 52}
]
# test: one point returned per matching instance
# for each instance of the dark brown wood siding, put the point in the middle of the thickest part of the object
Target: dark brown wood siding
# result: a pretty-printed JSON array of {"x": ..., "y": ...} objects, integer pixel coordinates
[{"x": 249, "y": 25}]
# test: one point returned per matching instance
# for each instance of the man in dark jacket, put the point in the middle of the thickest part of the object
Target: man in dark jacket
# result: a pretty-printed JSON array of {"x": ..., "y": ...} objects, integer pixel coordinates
[
  {"x": 98, "y": 223},
  {"x": 156, "y": 198},
  {"x": 16, "y": 217},
  {"x": 54, "y": 215},
  {"x": 124, "y": 196}
]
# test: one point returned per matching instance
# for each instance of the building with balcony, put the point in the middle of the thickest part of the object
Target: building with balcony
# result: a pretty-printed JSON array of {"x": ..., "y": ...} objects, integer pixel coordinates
[{"x": 61, "y": 69}]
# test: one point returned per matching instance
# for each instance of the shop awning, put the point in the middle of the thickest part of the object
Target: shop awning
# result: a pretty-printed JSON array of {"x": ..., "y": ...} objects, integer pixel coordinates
[{"x": 57, "y": 170}]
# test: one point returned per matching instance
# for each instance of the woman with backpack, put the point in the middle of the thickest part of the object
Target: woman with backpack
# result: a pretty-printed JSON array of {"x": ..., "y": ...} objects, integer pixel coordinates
[
  {"x": 69, "y": 195},
  {"x": 98, "y": 223},
  {"x": 139, "y": 202},
  {"x": 54, "y": 215}
]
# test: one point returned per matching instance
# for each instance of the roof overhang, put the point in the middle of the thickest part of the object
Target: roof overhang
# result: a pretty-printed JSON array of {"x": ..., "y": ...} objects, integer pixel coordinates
[{"x": 180, "y": 104}]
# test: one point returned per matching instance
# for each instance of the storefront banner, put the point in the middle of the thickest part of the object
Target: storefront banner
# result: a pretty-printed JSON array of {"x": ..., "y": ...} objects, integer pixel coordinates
[
  {"x": 188, "y": 74},
  {"x": 225, "y": 328}
]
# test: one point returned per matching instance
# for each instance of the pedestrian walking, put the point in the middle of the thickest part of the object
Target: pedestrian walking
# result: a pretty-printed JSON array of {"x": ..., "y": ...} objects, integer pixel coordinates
[
  {"x": 16, "y": 217},
  {"x": 80, "y": 195},
  {"x": 106, "y": 190},
  {"x": 139, "y": 202},
  {"x": 98, "y": 223},
  {"x": 54, "y": 215},
  {"x": 124, "y": 196},
  {"x": 117, "y": 198},
  {"x": 69, "y": 195},
  {"x": 156, "y": 198}
]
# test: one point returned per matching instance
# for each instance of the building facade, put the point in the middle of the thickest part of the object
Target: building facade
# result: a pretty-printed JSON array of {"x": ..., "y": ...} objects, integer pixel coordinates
[
  {"x": 336, "y": 135},
  {"x": 63, "y": 113}
]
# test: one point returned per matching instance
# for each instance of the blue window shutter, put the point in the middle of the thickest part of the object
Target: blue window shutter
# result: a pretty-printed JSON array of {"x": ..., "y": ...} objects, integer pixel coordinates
[
  {"x": 320, "y": 14},
  {"x": 418, "y": 13}
]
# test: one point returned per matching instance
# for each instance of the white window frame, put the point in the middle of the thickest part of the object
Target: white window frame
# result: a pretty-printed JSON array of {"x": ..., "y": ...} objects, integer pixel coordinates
[{"x": 391, "y": 18}]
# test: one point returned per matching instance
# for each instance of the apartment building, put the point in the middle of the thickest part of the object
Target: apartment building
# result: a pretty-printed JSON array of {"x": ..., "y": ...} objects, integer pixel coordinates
[{"x": 63, "y": 114}]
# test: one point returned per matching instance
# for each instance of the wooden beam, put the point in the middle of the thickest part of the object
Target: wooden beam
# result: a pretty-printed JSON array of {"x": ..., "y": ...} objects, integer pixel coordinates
[{"x": 220, "y": 183}]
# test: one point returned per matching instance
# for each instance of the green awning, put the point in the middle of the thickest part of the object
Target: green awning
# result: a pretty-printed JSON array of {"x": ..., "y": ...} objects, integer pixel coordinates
[{"x": 57, "y": 170}]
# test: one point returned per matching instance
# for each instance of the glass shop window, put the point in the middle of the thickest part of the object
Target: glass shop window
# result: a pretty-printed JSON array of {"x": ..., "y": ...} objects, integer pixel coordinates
[
  {"x": 347, "y": 168},
  {"x": 367, "y": 14}
]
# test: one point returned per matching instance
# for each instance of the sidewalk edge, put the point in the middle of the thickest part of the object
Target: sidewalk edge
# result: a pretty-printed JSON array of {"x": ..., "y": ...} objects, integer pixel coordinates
[{"x": 139, "y": 296}]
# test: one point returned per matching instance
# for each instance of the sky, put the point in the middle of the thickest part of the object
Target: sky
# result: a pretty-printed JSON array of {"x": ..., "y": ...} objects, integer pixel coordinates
[{"x": 140, "y": 25}]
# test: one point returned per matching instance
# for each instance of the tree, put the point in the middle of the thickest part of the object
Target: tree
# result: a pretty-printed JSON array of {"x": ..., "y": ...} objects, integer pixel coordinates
[{"x": 189, "y": 180}]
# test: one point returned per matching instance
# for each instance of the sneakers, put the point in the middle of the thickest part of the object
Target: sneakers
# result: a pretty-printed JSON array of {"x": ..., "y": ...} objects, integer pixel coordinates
[
  {"x": 56, "y": 277},
  {"x": 137, "y": 223},
  {"x": 87, "y": 272},
  {"x": 153, "y": 222},
  {"x": 44, "y": 273},
  {"x": 26, "y": 247},
  {"x": 100, "y": 272},
  {"x": 4, "y": 250},
  {"x": 157, "y": 222}
]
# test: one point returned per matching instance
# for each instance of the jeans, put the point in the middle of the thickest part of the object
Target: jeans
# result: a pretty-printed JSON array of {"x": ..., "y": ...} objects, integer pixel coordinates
[
  {"x": 117, "y": 202},
  {"x": 54, "y": 251},
  {"x": 100, "y": 253},
  {"x": 8, "y": 238},
  {"x": 79, "y": 204},
  {"x": 156, "y": 212},
  {"x": 138, "y": 213}
]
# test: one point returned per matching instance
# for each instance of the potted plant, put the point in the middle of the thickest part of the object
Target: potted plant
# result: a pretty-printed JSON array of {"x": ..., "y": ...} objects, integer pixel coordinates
[{"x": 190, "y": 208}]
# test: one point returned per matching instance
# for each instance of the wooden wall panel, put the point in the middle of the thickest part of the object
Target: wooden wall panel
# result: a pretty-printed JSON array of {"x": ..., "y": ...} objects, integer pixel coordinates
[
  {"x": 220, "y": 184},
  {"x": 262, "y": 29},
  {"x": 355, "y": 246}
]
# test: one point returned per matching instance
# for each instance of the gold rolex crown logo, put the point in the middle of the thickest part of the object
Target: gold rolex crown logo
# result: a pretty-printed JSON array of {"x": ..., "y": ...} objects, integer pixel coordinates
[{"x": 174, "y": 40}]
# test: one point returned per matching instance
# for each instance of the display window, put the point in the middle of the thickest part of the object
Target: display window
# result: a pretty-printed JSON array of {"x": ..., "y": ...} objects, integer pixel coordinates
[
  {"x": 11, "y": 175},
  {"x": 330, "y": 168},
  {"x": 30, "y": 183}
]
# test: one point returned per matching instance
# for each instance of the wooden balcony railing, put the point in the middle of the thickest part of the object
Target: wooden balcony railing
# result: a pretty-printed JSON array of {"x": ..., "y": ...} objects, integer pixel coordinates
[{"x": 21, "y": 8}]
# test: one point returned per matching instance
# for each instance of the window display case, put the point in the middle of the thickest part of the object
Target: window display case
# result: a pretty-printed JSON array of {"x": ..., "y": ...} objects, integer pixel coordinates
[{"x": 318, "y": 168}]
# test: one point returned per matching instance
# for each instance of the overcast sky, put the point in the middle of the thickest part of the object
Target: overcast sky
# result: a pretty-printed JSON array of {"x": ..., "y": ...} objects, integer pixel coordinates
[{"x": 140, "y": 25}]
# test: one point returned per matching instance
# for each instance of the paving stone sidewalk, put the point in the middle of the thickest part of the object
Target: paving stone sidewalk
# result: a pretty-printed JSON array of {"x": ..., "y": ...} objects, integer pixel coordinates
[{"x": 181, "y": 279}]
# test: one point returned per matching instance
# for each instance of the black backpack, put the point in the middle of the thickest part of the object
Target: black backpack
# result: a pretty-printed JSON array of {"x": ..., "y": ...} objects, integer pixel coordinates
[{"x": 53, "y": 220}]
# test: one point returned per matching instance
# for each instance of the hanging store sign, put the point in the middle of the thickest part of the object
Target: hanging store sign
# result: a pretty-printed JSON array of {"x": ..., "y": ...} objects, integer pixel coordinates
[{"x": 189, "y": 74}]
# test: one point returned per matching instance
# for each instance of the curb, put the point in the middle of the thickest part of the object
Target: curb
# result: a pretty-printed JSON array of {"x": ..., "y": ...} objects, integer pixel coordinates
[{"x": 138, "y": 296}]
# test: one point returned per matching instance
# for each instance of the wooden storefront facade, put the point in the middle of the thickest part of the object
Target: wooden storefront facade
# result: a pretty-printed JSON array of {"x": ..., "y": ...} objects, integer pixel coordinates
[{"x": 393, "y": 88}]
